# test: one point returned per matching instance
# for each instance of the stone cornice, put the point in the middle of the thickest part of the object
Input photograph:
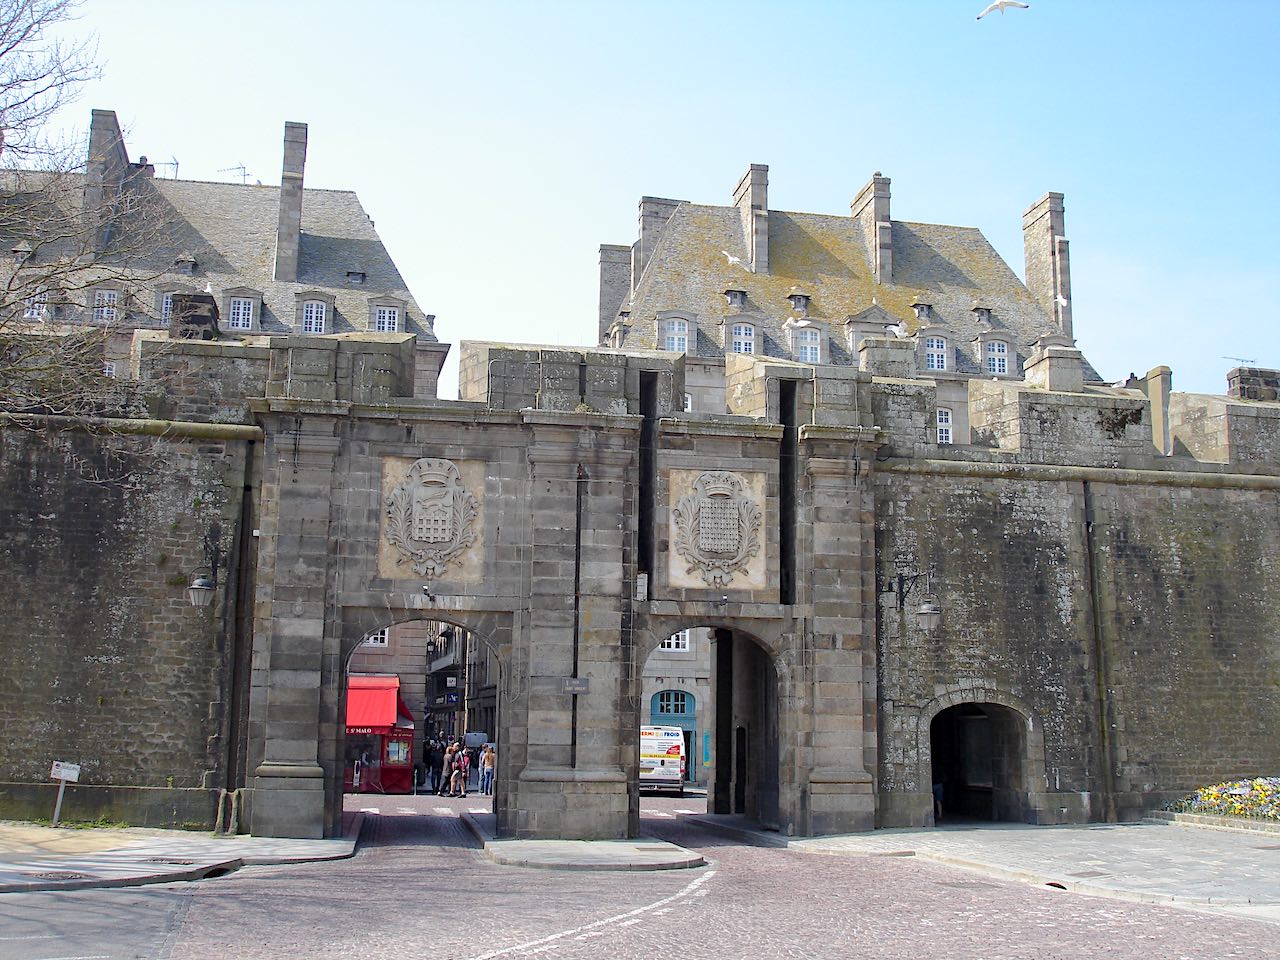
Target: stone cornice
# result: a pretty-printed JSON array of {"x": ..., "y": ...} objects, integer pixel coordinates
[
  {"x": 753, "y": 429},
  {"x": 134, "y": 427},
  {"x": 1052, "y": 472}
]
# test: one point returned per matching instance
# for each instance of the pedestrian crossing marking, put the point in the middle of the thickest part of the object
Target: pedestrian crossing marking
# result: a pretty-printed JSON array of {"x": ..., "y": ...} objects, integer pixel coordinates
[
  {"x": 370, "y": 810},
  {"x": 443, "y": 811}
]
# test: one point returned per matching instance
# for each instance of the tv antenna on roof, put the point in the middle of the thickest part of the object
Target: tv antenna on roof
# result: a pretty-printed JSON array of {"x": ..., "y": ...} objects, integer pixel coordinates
[
  {"x": 172, "y": 162},
  {"x": 238, "y": 168},
  {"x": 1241, "y": 359}
]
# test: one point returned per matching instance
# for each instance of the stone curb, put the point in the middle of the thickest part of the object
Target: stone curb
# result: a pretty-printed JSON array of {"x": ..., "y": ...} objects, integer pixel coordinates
[
  {"x": 195, "y": 869},
  {"x": 1210, "y": 822},
  {"x": 493, "y": 850},
  {"x": 757, "y": 838}
]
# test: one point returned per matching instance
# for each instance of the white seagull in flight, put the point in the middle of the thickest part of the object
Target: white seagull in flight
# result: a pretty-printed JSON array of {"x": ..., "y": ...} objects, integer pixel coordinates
[
  {"x": 732, "y": 259},
  {"x": 1003, "y": 5}
]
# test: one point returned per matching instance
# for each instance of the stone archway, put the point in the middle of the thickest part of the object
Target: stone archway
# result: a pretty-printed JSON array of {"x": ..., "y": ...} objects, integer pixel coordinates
[
  {"x": 994, "y": 766},
  {"x": 749, "y": 770}
]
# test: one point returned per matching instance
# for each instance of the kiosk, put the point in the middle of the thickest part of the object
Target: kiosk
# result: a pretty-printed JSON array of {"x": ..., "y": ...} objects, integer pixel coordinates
[{"x": 379, "y": 748}]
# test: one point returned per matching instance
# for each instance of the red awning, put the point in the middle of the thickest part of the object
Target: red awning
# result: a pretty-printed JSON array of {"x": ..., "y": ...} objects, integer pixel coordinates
[{"x": 374, "y": 705}]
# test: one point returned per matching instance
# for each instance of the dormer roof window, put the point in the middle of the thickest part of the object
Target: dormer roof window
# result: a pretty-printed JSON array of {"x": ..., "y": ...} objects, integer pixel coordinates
[
  {"x": 799, "y": 301},
  {"x": 923, "y": 311},
  {"x": 184, "y": 263},
  {"x": 21, "y": 253},
  {"x": 355, "y": 276},
  {"x": 737, "y": 299},
  {"x": 982, "y": 315}
]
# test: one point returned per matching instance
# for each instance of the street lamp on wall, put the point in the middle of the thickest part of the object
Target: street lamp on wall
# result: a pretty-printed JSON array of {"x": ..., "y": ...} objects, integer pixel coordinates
[
  {"x": 202, "y": 588},
  {"x": 928, "y": 609}
]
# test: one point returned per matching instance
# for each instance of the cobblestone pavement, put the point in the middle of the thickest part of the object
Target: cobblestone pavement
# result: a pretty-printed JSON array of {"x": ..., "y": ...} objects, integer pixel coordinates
[{"x": 420, "y": 886}]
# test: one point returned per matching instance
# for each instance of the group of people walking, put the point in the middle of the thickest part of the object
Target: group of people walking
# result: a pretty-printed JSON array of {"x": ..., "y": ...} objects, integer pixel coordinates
[{"x": 449, "y": 767}]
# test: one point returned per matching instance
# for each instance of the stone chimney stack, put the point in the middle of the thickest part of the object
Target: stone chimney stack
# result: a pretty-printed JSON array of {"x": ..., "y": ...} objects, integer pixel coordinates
[
  {"x": 104, "y": 175},
  {"x": 290, "y": 227},
  {"x": 871, "y": 209},
  {"x": 751, "y": 197},
  {"x": 654, "y": 214},
  {"x": 1048, "y": 261},
  {"x": 615, "y": 284}
]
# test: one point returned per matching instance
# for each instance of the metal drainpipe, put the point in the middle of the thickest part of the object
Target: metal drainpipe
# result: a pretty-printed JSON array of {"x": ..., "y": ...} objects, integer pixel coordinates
[
  {"x": 579, "y": 497},
  {"x": 1100, "y": 663}
]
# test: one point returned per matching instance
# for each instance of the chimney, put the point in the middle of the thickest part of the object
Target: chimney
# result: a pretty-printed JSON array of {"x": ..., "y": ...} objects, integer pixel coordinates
[
  {"x": 104, "y": 175},
  {"x": 871, "y": 209},
  {"x": 751, "y": 197},
  {"x": 615, "y": 284},
  {"x": 1048, "y": 262},
  {"x": 290, "y": 226},
  {"x": 1157, "y": 386},
  {"x": 654, "y": 214}
]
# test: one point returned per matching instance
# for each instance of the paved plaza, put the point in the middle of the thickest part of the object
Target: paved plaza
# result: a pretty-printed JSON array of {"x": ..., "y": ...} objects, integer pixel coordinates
[{"x": 421, "y": 881}]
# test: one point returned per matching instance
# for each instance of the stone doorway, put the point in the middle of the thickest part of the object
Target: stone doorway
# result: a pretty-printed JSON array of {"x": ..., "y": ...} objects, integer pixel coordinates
[{"x": 979, "y": 756}]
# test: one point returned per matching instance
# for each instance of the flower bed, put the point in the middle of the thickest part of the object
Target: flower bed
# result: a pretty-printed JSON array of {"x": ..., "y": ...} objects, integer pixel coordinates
[{"x": 1258, "y": 798}]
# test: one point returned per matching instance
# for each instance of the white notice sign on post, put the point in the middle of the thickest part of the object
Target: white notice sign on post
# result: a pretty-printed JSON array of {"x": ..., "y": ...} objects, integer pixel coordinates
[{"x": 65, "y": 771}]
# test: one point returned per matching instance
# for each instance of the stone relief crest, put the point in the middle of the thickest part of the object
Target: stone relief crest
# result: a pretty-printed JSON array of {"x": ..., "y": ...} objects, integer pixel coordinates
[
  {"x": 717, "y": 527},
  {"x": 431, "y": 516}
]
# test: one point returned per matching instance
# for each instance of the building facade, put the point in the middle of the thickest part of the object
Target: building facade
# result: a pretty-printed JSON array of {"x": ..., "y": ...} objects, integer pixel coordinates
[{"x": 1040, "y": 601}]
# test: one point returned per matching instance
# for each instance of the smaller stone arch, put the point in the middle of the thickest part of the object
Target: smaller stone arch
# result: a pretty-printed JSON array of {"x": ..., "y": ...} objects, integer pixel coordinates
[{"x": 1033, "y": 767}]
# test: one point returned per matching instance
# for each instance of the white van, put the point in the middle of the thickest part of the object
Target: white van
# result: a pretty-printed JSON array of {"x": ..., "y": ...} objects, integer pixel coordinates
[{"x": 662, "y": 760}]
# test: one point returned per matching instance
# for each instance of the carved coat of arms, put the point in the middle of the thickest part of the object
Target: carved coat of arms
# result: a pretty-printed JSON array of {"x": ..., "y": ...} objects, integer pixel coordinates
[
  {"x": 717, "y": 527},
  {"x": 431, "y": 516}
]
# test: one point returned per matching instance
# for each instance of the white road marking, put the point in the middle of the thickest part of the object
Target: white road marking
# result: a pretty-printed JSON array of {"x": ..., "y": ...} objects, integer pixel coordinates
[
  {"x": 686, "y": 811},
  {"x": 370, "y": 810},
  {"x": 631, "y": 922},
  {"x": 476, "y": 810},
  {"x": 660, "y": 813},
  {"x": 405, "y": 810},
  {"x": 443, "y": 811},
  {"x": 691, "y": 888},
  {"x": 658, "y": 913}
]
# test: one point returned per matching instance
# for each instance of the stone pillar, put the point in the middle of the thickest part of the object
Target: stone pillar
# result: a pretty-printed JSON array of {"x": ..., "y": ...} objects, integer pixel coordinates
[
  {"x": 289, "y": 673},
  {"x": 839, "y": 512},
  {"x": 574, "y": 784},
  {"x": 751, "y": 197}
]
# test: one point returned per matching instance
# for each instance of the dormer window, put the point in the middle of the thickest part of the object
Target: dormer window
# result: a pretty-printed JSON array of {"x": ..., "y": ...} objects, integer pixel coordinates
[
  {"x": 105, "y": 305},
  {"x": 21, "y": 253},
  {"x": 737, "y": 299},
  {"x": 242, "y": 306},
  {"x": 982, "y": 315},
  {"x": 36, "y": 306},
  {"x": 355, "y": 276},
  {"x": 743, "y": 338},
  {"x": 387, "y": 315},
  {"x": 314, "y": 312},
  {"x": 935, "y": 353},
  {"x": 184, "y": 263},
  {"x": 675, "y": 335},
  {"x": 315, "y": 315},
  {"x": 806, "y": 343},
  {"x": 799, "y": 302},
  {"x": 997, "y": 357},
  {"x": 923, "y": 311}
]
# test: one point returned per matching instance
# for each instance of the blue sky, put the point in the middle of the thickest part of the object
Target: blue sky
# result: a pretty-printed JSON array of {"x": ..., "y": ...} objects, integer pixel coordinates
[{"x": 497, "y": 144}]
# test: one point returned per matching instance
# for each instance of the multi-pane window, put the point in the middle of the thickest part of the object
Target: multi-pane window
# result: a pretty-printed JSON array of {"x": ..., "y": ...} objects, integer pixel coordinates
[
  {"x": 688, "y": 403},
  {"x": 166, "y": 307},
  {"x": 387, "y": 319},
  {"x": 673, "y": 702},
  {"x": 676, "y": 335},
  {"x": 313, "y": 316},
  {"x": 808, "y": 346},
  {"x": 944, "y": 425},
  {"x": 744, "y": 338},
  {"x": 997, "y": 357},
  {"x": 104, "y": 305},
  {"x": 376, "y": 639},
  {"x": 677, "y": 641},
  {"x": 241, "y": 314},
  {"x": 109, "y": 368},
  {"x": 34, "y": 307},
  {"x": 935, "y": 353}
]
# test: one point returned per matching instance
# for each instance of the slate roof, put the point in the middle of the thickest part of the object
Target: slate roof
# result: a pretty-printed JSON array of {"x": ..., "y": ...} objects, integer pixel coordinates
[
  {"x": 230, "y": 230},
  {"x": 952, "y": 268}
]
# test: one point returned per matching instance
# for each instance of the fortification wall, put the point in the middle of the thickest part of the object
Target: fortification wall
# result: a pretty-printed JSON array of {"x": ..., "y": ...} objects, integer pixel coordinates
[{"x": 103, "y": 661}]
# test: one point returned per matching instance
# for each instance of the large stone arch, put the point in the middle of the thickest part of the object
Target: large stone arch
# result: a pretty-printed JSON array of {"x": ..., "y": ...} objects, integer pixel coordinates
[{"x": 1033, "y": 753}]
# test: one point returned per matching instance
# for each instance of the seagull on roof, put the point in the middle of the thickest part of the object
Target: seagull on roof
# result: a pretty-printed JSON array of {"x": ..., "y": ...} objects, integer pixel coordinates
[
  {"x": 208, "y": 287},
  {"x": 1003, "y": 5}
]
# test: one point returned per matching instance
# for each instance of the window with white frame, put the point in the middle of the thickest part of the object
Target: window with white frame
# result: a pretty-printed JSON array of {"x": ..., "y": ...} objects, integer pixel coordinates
[
  {"x": 376, "y": 639},
  {"x": 675, "y": 335},
  {"x": 997, "y": 357},
  {"x": 109, "y": 368},
  {"x": 314, "y": 313},
  {"x": 688, "y": 403},
  {"x": 386, "y": 319},
  {"x": 240, "y": 313},
  {"x": 673, "y": 702},
  {"x": 944, "y": 425},
  {"x": 104, "y": 305},
  {"x": 166, "y": 307},
  {"x": 35, "y": 306},
  {"x": 935, "y": 353},
  {"x": 808, "y": 345},
  {"x": 677, "y": 641},
  {"x": 743, "y": 338}
]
